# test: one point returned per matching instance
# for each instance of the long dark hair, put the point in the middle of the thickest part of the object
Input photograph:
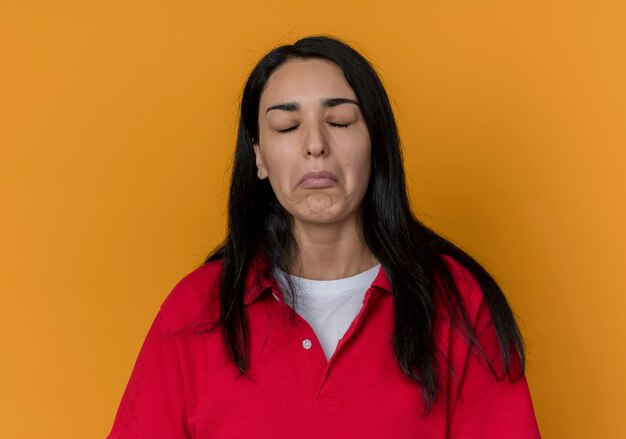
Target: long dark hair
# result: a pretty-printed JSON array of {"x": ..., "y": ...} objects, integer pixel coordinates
[{"x": 410, "y": 252}]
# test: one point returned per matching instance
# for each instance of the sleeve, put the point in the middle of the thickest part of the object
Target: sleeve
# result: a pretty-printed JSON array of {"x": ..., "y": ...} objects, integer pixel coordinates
[
  {"x": 153, "y": 403},
  {"x": 488, "y": 406}
]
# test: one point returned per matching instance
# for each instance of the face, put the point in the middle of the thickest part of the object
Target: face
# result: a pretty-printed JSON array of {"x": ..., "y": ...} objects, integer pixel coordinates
[{"x": 310, "y": 122}]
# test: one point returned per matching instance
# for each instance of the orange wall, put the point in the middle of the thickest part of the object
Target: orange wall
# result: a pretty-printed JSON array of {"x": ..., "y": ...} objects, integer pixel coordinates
[{"x": 117, "y": 122}]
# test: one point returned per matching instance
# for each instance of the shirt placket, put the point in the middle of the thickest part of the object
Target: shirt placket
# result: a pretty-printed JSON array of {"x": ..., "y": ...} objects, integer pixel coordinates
[{"x": 319, "y": 370}]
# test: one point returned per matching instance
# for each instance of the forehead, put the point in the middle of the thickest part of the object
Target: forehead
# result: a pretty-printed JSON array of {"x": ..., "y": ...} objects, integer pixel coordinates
[{"x": 305, "y": 79}]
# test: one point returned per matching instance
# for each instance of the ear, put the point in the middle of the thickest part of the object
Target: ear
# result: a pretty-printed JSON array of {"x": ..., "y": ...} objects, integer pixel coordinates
[{"x": 259, "y": 158}]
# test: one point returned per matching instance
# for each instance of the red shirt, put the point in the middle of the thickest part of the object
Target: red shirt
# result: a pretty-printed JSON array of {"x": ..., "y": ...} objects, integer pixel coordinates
[{"x": 182, "y": 385}]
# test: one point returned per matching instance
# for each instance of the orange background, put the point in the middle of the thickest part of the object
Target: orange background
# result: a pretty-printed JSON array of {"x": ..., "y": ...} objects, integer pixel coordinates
[{"x": 117, "y": 125}]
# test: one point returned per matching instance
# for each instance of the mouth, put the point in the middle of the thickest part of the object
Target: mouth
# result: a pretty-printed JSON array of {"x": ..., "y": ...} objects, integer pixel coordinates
[{"x": 318, "y": 179}]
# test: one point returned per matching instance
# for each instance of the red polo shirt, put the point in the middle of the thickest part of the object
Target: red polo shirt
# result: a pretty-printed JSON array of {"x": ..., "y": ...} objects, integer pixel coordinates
[{"x": 182, "y": 385}]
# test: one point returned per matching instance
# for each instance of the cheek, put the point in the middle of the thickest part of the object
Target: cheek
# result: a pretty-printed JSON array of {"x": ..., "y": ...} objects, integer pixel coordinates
[
  {"x": 275, "y": 156},
  {"x": 280, "y": 164},
  {"x": 357, "y": 163}
]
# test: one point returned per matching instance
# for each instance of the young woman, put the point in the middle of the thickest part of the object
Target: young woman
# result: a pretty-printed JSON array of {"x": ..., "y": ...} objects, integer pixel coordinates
[{"x": 329, "y": 311}]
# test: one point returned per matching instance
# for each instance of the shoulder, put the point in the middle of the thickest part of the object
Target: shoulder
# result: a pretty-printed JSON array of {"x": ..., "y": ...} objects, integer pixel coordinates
[
  {"x": 467, "y": 284},
  {"x": 194, "y": 298},
  {"x": 486, "y": 304},
  {"x": 470, "y": 291}
]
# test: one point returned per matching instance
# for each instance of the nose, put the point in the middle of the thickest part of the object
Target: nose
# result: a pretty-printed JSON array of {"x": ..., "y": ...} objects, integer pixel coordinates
[{"x": 315, "y": 141}]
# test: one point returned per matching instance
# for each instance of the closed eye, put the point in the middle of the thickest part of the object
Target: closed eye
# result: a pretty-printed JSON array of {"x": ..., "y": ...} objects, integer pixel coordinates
[
  {"x": 287, "y": 130},
  {"x": 337, "y": 125}
]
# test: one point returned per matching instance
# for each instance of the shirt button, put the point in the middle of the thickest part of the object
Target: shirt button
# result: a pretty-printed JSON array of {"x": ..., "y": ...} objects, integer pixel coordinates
[{"x": 306, "y": 343}]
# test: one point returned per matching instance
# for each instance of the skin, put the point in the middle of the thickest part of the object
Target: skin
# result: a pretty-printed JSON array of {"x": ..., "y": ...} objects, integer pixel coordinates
[{"x": 318, "y": 137}]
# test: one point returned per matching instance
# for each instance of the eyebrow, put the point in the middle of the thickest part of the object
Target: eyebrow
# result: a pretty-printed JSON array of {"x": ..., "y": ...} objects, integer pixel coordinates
[{"x": 327, "y": 103}]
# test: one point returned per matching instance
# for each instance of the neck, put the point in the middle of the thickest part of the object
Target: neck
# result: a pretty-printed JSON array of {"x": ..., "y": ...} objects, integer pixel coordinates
[{"x": 330, "y": 251}]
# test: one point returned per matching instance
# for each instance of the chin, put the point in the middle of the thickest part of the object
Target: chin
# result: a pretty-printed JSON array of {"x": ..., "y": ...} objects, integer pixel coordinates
[{"x": 319, "y": 218}]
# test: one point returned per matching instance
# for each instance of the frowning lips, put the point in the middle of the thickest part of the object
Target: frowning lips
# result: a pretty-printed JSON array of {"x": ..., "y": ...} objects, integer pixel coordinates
[{"x": 318, "y": 179}]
